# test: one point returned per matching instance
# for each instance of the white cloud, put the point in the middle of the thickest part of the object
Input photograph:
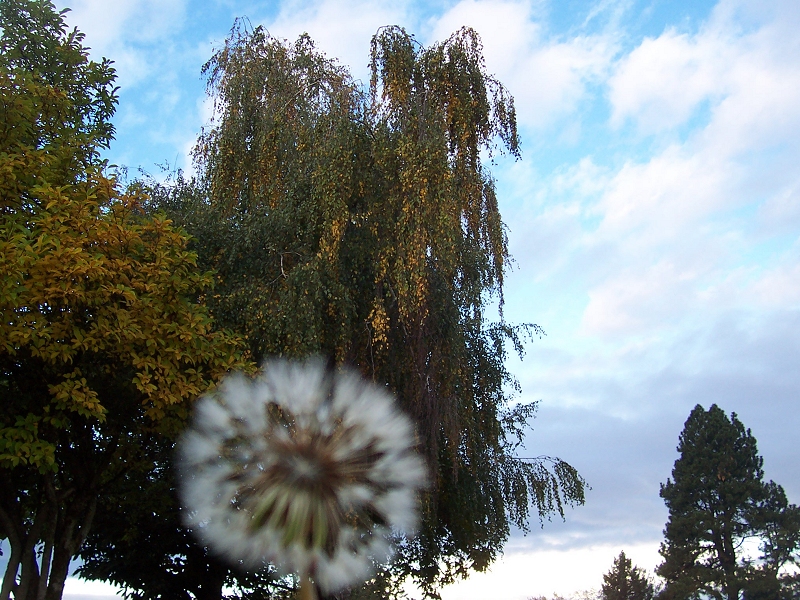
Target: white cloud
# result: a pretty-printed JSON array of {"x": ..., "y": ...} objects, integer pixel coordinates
[
  {"x": 658, "y": 200},
  {"x": 747, "y": 76},
  {"x": 667, "y": 271},
  {"x": 662, "y": 81},
  {"x": 547, "y": 77},
  {"x": 779, "y": 287},
  {"x": 79, "y": 589},
  {"x": 645, "y": 298},
  {"x": 677, "y": 219},
  {"x": 118, "y": 30},
  {"x": 339, "y": 28},
  {"x": 781, "y": 211},
  {"x": 506, "y": 28},
  {"x": 111, "y": 23},
  {"x": 521, "y": 573}
]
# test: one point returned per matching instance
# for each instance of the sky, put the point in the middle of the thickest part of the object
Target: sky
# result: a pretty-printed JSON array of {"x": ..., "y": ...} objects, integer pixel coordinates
[{"x": 654, "y": 219}]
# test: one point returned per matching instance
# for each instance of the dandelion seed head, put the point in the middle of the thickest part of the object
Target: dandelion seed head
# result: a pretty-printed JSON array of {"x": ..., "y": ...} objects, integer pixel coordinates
[{"x": 305, "y": 468}]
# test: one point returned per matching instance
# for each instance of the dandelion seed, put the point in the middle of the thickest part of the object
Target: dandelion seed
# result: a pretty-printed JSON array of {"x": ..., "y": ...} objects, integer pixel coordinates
[{"x": 307, "y": 469}]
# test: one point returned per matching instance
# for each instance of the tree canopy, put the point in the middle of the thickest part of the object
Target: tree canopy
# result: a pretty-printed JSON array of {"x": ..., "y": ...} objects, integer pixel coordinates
[
  {"x": 717, "y": 500},
  {"x": 101, "y": 345},
  {"x": 362, "y": 225},
  {"x": 626, "y": 582}
]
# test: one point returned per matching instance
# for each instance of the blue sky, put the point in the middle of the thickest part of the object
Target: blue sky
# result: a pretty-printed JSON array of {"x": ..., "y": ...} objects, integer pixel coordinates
[{"x": 654, "y": 219}]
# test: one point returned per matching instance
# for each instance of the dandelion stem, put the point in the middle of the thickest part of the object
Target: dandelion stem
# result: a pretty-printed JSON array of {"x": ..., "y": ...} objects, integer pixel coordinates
[{"x": 307, "y": 589}]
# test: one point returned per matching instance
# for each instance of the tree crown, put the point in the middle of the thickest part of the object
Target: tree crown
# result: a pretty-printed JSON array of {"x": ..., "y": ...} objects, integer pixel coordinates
[{"x": 717, "y": 499}]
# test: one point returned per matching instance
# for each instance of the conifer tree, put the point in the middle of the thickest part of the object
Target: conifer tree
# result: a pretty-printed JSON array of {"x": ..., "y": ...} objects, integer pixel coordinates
[
  {"x": 717, "y": 499},
  {"x": 626, "y": 582}
]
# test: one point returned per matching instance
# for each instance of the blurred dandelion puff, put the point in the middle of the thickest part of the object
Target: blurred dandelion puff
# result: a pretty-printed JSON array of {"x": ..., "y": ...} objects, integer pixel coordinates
[{"x": 308, "y": 469}]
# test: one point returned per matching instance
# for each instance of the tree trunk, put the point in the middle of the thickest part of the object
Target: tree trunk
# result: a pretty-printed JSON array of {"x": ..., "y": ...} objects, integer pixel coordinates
[
  {"x": 210, "y": 588},
  {"x": 58, "y": 572},
  {"x": 49, "y": 538},
  {"x": 10, "y": 576},
  {"x": 68, "y": 539},
  {"x": 23, "y": 545},
  {"x": 726, "y": 554},
  {"x": 29, "y": 579},
  {"x": 47, "y": 553},
  {"x": 207, "y": 574}
]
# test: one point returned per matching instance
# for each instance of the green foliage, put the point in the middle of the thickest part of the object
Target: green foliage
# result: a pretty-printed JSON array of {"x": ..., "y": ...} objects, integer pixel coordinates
[
  {"x": 101, "y": 347},
  {"x": 717, "y": 499},
  {"x": 626, "y": 582},
  {"x": 364, "y": 226},
  {"x": 74, "y": 97}
]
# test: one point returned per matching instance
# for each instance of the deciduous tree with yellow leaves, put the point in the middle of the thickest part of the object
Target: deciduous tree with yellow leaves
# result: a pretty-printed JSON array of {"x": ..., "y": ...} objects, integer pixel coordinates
[{"x": 102, "y": 346}]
